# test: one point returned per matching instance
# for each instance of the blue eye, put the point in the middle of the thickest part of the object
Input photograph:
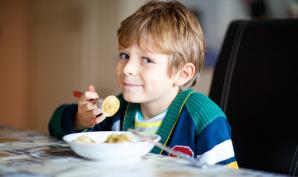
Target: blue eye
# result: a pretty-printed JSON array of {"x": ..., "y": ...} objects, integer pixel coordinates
[
  {"x": 123, "y": 56},
  {"x": 146, "y": 60}
]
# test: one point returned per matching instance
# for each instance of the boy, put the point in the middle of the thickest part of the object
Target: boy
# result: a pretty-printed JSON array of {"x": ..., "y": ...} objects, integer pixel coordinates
[{"x": 161, "y": 52}]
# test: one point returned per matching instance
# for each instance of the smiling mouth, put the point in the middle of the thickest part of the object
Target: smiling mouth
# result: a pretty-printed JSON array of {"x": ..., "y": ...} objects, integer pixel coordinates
[
  {"x": 129, "y": 85},
  {"x": 132, "y": 85}
]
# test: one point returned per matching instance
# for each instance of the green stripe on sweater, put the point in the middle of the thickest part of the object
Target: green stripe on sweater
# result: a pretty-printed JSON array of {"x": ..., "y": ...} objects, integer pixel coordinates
[
  {"x": 202, "y": 110},
  {"x": 171, "y": 118}
]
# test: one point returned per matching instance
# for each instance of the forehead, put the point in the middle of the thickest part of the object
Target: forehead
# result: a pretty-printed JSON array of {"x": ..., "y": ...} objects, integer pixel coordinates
[{"x": 144, "y": 43}]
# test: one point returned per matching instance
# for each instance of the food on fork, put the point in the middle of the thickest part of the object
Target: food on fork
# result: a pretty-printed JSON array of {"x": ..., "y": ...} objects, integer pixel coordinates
[
  {"x": 84, "y": 139},
  {"x": 110, "y": 105}
]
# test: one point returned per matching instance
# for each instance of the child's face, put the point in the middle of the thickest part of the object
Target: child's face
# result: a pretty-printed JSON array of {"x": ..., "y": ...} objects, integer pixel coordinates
[{"x": 143, "y": 77}]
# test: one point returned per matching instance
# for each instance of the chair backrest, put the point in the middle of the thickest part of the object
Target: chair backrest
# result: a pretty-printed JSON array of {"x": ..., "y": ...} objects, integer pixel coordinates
[{"x": 255, "y": 82}]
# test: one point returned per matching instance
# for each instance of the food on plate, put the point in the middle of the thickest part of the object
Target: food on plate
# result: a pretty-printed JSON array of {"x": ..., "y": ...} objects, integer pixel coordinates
[
  {"x": 110, "y": 105},
  {"x": 119, "y": 138},
  {"x": 84, "y": 139}
]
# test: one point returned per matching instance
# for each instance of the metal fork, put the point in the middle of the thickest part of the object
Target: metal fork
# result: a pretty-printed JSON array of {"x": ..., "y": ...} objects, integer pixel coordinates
[{"x": 193, "y": 161}]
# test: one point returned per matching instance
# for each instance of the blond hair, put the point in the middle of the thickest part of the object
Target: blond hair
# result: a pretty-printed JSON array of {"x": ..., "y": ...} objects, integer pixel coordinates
[{"x": 171, "y": 29}]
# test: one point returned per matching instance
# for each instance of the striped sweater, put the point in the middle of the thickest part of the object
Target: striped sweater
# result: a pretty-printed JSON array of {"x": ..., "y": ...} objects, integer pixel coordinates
[{"x": 193, "y": 124}]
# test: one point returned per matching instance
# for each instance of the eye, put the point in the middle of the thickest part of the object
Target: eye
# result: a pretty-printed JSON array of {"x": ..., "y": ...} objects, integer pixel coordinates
[
  {"x": 146, "y": 60},
  {"x": 123, "y": 55}
]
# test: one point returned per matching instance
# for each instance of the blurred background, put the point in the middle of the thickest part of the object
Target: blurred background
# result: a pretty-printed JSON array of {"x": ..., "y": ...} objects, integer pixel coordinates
[{"x": 50, "y": 47}]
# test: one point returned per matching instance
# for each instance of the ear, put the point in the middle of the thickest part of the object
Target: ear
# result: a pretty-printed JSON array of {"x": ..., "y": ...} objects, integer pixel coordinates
[{"x": 184, "y": 74}]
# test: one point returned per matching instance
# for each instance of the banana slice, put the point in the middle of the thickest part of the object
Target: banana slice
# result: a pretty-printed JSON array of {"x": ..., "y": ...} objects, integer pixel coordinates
[
  {"x": 110, "y": 105},
  {"x": 84, "y": 139}
]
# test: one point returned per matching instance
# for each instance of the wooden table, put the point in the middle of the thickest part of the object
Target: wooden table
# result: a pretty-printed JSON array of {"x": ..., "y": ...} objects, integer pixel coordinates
[{"x": 30, "y": 154}]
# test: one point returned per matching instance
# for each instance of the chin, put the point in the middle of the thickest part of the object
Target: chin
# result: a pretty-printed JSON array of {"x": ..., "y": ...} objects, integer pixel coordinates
[{"x": 132, "y": 98}]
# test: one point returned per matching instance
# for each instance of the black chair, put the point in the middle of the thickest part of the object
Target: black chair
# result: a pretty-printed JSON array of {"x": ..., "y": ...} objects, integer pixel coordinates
[{"x": 255, "y": 82}]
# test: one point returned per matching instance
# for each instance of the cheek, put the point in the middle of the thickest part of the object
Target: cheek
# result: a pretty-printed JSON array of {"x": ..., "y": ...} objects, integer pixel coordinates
[
  {"x": 118, "y": 69},
  {"x": 118, "y": 73},
  {"x": 156, "y": 79}
]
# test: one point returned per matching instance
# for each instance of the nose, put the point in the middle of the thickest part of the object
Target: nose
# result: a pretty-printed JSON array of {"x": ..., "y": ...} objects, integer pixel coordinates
[{"x": 130, "y": 67}]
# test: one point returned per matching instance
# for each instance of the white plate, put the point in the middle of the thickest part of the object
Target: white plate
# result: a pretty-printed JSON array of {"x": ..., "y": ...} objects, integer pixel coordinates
[{"x": 105, "y": 151}]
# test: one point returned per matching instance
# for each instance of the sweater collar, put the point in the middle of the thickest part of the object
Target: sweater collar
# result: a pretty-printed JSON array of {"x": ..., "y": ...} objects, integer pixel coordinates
[{"x": 166, "y": 129}]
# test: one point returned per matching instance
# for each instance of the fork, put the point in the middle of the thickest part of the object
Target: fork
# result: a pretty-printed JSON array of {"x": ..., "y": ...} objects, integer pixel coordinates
[{"x": 193, "y": 161}]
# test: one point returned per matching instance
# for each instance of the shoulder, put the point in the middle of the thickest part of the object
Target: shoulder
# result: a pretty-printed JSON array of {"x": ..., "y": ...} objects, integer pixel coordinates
[
  {"x": 202, "y": 110},
  {"x": 200, "y": 101}
]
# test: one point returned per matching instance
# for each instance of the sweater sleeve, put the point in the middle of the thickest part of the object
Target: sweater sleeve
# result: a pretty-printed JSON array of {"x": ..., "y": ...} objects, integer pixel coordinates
[
  {"x": 215, "y": 145},
  {"x": 61, "y": 122}
]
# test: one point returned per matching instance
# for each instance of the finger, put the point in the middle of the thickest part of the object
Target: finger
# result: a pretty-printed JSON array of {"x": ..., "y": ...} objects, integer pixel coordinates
[
  {"x": 97, "y": 112},
  {"x": 91, "y": 88},
  {"x": 78, "y": 94},
  {"x": 88, "y": 96},
  {"x": 88, "y": 106},
  {"x": 99, "y": 119},
  {"x": 92, "y": 114},
  {"x": 91, "y": 119},
  {"x": 91, "y": 95},
  {"x": 99, "y": 116}
]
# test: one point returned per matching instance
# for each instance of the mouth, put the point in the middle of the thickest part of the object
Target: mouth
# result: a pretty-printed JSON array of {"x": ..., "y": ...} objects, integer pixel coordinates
[{"x": 131, "y": 86}]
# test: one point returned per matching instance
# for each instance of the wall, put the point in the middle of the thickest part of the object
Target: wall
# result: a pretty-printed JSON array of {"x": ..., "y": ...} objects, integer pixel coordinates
[
  {"x": 14, "y": 61},
  {"x": 74, "y": 44},
  {"x": 49, "y": 48}
]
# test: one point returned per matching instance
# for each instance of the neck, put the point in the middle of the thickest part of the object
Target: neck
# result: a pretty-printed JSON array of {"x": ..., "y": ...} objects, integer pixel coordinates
[{"x": 156, "y": 107}]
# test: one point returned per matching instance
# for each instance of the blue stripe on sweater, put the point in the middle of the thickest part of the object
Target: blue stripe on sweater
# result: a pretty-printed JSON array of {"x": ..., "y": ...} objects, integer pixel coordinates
[
  {"x": 218, "y": 129},
  {"x": 227, "y": 161}
]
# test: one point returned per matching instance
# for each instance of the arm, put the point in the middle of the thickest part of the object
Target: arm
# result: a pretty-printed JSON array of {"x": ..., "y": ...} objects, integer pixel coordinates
[
  {"x": 62, "y": 120},
  {"x": 215, "y": 144},
  {"x": 84, "y": 116},
  {"x": 213, "y": 140}
]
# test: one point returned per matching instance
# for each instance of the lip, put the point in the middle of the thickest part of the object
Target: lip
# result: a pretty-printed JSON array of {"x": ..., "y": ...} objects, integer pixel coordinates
[{"x": 131, "y": 84}]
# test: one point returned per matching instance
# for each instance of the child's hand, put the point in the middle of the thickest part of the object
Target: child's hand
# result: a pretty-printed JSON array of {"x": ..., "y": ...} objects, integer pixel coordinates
[{"x": 88, "y": 114}]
